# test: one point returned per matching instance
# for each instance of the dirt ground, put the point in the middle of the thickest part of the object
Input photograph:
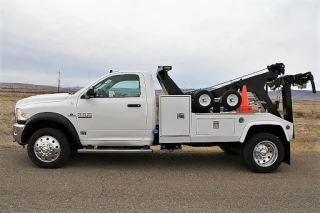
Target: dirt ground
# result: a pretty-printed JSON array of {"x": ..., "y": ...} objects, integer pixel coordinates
[{"x": 306, "y": 114}]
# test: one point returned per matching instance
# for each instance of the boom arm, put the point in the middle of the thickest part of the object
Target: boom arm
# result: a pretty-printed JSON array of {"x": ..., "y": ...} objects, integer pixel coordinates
[
  {"x": 256, "y": 85},
  {"x": 168, "y": 86}
]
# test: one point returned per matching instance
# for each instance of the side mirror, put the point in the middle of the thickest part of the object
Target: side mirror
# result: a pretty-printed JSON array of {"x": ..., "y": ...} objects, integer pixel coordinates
[{"x": 90, "y": 93}]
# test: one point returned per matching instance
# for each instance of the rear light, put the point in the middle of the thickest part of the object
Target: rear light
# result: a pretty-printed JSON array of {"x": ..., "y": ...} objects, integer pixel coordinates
[{"x": 287, "y": 127}]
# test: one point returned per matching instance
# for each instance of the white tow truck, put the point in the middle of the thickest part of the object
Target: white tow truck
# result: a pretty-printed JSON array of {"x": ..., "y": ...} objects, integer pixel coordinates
[{"x": 117, "y": 114}]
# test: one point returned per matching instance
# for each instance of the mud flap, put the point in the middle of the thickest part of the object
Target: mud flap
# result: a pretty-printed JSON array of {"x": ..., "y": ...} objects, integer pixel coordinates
[{"x": 287, "y": 153}]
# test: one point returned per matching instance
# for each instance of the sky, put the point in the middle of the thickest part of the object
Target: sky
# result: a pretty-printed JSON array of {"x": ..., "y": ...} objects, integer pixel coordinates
[{"x": 206, "y": 41}]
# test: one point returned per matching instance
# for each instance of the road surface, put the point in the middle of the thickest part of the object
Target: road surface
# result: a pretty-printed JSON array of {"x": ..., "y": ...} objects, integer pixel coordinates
[{"x": 198, "y": 181}]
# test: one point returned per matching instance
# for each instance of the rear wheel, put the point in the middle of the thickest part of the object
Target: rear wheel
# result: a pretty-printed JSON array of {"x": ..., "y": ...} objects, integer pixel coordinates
[
  {"x": 263, "y": 153},
  {"x": 48, "y": 148}
]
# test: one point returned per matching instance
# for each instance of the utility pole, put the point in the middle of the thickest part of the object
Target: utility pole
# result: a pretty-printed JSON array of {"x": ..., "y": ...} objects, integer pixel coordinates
[{"x": 59, "y": 74}]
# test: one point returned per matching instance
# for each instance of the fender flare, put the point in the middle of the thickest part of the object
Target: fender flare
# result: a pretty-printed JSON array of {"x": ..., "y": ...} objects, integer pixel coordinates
[
  {"x": 55, "y": 117},
  {"x": 261, "y": 123}
]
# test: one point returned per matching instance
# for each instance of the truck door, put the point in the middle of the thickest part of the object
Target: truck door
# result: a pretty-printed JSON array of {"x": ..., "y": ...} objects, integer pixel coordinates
[{"x": 117, "y": 114}]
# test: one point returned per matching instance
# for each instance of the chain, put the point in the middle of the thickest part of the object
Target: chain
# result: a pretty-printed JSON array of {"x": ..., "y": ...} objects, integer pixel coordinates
[
  {"x": 279, "y": 95},
  {"x": 278, "y": 98}
]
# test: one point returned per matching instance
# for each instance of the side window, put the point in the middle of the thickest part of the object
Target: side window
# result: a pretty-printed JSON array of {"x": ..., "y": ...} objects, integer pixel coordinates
[{"x": 119, "y": 86}]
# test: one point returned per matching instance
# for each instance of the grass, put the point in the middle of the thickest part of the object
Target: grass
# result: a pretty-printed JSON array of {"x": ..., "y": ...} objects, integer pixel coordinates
[
  {"x": 312, "y": 114},
  {"x": 306, "y": 118}
]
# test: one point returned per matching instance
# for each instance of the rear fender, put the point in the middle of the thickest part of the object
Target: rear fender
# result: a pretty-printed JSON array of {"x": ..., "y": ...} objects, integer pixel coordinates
[{"x": 262, "y": 123}]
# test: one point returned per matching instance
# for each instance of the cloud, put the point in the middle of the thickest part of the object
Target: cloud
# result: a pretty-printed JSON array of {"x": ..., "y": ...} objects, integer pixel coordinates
[{"x": 207, "y": 42}]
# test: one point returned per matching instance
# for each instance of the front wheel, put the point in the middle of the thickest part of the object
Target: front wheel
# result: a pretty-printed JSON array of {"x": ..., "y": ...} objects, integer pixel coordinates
[
  {"x": 48, "y": 148},
  {"x": 263, "y": 153}
]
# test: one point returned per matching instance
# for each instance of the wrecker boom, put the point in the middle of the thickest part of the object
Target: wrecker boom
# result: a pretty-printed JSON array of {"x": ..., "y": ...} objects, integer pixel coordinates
[{"x": 257, "y": 83}]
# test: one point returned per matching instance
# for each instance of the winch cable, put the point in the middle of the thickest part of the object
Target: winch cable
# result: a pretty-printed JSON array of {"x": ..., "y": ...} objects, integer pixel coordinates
[{"x": 214, "y": 86}]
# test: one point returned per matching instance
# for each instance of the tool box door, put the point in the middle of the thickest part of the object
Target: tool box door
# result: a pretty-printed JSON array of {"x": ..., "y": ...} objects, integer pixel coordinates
[{"x": 174, "y": 118}]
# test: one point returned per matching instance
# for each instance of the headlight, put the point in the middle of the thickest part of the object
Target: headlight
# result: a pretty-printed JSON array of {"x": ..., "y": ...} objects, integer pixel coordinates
[{"x": 21, "y": 115}]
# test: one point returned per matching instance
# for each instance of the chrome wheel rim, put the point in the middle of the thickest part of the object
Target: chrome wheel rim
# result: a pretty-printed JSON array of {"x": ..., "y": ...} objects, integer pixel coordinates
[
  {"x": 204, "y": 100},
  {"x": 47, "y": 149},
  {"x": 265, "y": 153},
  {"x": 232, "y": 100}
]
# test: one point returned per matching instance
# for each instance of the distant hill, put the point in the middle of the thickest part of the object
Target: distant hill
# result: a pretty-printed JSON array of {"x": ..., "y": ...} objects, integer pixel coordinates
[
  {"x": 16, "y": 86},
  {"x": 300, "y": 94},
  {"x": 296, "y": 94},
  {"x": 26, "y": 86}
]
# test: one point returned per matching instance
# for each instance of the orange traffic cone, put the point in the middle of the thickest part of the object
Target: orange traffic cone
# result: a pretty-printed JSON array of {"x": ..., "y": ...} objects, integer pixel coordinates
[{"x": 244, "y": 107}]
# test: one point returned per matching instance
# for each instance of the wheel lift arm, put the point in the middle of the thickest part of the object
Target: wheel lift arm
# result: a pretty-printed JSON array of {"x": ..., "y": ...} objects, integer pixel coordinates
[{"x": 299, "y": 80}]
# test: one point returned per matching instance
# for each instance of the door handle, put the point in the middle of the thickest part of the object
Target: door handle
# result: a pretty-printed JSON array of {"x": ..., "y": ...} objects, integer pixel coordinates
[{"x": 134, "y": 105}]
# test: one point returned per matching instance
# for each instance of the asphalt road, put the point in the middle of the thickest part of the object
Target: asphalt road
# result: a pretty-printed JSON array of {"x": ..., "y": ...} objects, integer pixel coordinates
[{"x": 158, "y": 182}]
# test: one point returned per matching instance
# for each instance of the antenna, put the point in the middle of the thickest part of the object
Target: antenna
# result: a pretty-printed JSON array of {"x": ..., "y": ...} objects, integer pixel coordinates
[{"x": 59, "y": 74}]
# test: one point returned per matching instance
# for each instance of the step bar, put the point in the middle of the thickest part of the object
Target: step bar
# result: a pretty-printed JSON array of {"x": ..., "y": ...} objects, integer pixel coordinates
[{"x": 115, "y": 150}]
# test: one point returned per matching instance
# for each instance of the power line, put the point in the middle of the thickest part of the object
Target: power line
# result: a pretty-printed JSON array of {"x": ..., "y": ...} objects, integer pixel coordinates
[{"x": 59, "y": 75}]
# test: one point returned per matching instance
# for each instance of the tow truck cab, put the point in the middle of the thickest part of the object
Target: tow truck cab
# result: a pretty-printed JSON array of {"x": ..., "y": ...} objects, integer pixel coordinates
[{"x": 118, "y": 113}]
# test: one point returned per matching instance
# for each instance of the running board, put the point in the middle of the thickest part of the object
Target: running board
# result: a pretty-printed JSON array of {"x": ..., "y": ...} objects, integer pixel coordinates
[{"x": 115, "y": 150}]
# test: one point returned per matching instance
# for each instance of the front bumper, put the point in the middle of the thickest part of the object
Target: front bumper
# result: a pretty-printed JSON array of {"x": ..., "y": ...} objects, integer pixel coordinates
[{"x": 17, "y": 130}]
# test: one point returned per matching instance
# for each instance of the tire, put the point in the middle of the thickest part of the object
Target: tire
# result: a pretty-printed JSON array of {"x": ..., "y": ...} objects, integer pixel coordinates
[
  {"x": 230, "y": 150},
  {"x": 48, "y": 148},
  {"x": 231, "y": 100},
  {"x": 263, "y": 153},
  {"x": 202, "y": 101}
]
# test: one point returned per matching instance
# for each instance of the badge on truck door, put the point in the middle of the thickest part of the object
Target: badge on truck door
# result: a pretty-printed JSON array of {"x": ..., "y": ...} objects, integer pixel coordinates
[{"x": 84, "y": 114}]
